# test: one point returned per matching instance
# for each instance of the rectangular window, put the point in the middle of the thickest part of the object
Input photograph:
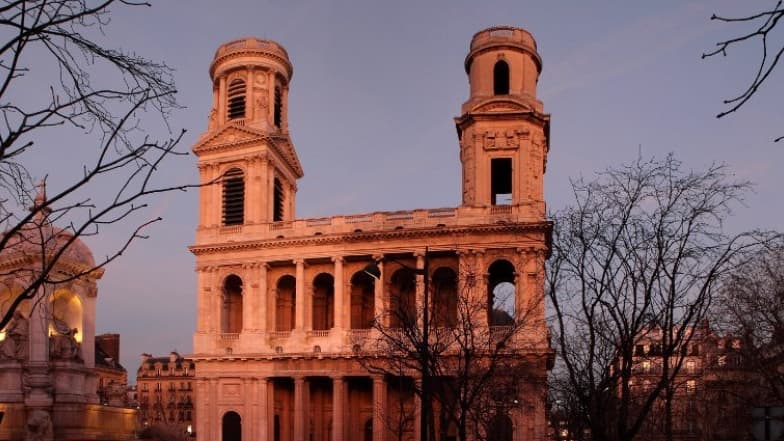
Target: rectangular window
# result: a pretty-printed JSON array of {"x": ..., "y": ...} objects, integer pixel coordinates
[{"x": 501, "y": 181}]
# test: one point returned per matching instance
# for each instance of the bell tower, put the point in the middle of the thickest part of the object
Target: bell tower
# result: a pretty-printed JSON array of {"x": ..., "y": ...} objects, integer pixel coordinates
[
  {"x": 503, "y": 130},
  {"x": 247, "y": 162}
]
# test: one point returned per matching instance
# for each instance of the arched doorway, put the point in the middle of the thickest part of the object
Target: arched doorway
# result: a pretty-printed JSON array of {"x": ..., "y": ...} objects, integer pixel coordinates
[
  {"x": 231, "y": 427},
  {"x": 501, "y": 428}
]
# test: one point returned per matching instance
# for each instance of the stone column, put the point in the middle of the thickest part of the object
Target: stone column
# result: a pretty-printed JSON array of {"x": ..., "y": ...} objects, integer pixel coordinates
[
  {"x": 263, "y": 420},
  {"x": 250, "y": 101},
  {"x": 270, "y": 409},
  {"x": 212, "y": 292},
  {"x": 217, "y": 301},
  {"x": 216, "y": 216},
  {"x": 204, "y": 194},
  {"x": 379, "y": 406},
  {"x": 417, "y": 411},
  {"x": 214, "y": 416},
  {"x": 378, "y": 301},
  {"x": 222, "y": 100},
  {"x": 262, "y": 181},
  {"x": 250, "y": 206},
  {"x": 90, "y": 292},
  {"x": 201, "y": 399},
  {"x": 340, "y": 310},
  {"x": 201, "y": 315},
  {"x": 247, "y": 409},
  {"x": 262, "y": 302},
  {"x": 299, "y": 307},
  {"x": 250, "y": 293},
  {"x": 300, "y": 406},
  {"x": 420, "y": 287},
  {"x": 338, "y": 407}
]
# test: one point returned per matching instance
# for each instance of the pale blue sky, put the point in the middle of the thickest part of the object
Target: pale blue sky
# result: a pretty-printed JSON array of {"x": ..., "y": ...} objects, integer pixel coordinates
[{"x": 376, "y": 85}]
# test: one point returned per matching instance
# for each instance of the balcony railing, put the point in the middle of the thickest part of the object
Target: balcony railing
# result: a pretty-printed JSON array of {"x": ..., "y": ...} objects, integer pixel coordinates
[
  {"x": 280, "y": 334},
  {"x": 229, "y": 336},
  {"x": 318, "y": 333}
]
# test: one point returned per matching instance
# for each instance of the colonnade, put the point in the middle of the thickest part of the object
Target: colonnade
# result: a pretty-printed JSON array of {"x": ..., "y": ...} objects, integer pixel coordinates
[{"x": 280, "y": 408}]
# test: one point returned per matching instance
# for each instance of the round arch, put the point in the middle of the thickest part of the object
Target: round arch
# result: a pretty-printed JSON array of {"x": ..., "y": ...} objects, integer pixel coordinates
[
  {"x": 231, "y": 426},
  {"x": 501, "y": 293},
  {"x": 231, "y": 313}
]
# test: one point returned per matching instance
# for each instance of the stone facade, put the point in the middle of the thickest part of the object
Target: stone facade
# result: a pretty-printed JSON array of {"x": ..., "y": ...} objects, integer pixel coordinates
[
  {"x": 286, "y": 314},
  {"x": 164, "y": 390}
]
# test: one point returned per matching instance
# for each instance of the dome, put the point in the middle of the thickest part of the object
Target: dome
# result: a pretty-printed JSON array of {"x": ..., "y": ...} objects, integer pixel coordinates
[
  {"x": 36, "y": 239},
  {"x": 251, "y": 47}
]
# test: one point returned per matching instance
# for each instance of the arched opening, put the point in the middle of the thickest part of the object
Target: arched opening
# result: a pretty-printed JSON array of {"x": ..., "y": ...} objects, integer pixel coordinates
[
  {"x": 501, "y": 428},
  {"x": 323, "y": 302},
  {"x": 367, "y": 434},
  {"x": 501, "y": 78},
  {"x": 285, "y": 303},
  {"x": 236, "y": 95},
  {"x": 232, "y": 305},
  {"x": 231, "y": 427},
  {"x": 363, "y": 300},
  {"x": 277, "y": 198},
  {"x": 234, "y": 197},
  {"x": 66, "y": 309},
  {"x": 403, "y": 298},
  {"x": 444, "y": 297},
  {"x": 278, "y": 109},
  {"x": 501, "y": 293}
]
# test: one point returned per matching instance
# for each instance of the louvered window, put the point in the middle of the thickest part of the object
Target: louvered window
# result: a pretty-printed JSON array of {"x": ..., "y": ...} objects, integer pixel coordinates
[
  {"x": 237, "y": 99},
  {"x": 278, "y": 198},
  {"x": 278, "y": 107},
  {"x": 233, "y": 197}
]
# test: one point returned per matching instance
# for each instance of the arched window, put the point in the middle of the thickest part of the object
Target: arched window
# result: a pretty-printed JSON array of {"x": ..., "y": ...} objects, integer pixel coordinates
[
  {"x": 501, "y": 78},
  {"x": 231, "y": 427},
  {"x": 444, "y": 297},
  {"x": 363, "y": 300},
  {"x": 285, "y": 303},
  {"x": 236, "y": 95},
  {"x": 501, "y": 293},
  {"x": 232, "y": 305},
  {"x": 278, "y": 109},
  {"x": 501, "y": 428},
  {"x": 403, "y": 298},
  {"x": 233, "y": 197},
  {"x": 323, "y": 302},
  {"x": 277, "y": 201}
]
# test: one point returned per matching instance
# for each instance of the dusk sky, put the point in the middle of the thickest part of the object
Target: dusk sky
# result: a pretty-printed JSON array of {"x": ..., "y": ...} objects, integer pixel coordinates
[{"x": 376, "y": 85}]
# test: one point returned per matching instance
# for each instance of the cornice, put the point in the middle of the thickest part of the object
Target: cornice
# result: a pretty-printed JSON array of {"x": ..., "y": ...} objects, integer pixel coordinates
[{"x": 544, "y": 227}]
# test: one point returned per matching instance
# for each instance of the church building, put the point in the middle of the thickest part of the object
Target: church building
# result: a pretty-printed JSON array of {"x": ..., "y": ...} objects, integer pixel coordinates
[{"x": 297, "y": 318}]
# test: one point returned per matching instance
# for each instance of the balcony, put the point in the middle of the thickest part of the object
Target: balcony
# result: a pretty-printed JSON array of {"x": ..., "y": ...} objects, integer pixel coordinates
[{"x": 228, "y": 336}]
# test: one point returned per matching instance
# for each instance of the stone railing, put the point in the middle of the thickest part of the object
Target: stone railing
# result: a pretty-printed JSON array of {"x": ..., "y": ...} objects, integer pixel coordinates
[
  {"x": 318, "y": 333},
  {"x": 279, "y": 334},
  {"x": 229, "y": 336},
  {"x": 382, "y": 221}
]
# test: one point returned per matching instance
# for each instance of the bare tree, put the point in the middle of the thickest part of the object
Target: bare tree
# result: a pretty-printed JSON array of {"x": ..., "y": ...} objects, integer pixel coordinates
[
  {"x": 752, "y": 308},
  {"x": 638, "y": 257},
  {"x": 477, "y": 359},
  {"x": 57, "y": 79},
  {"x": 763, "y": 25}
]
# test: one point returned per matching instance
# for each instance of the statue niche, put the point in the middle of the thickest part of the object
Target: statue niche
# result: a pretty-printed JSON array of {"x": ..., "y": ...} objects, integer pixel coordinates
[{"x": 14, "y": 346}]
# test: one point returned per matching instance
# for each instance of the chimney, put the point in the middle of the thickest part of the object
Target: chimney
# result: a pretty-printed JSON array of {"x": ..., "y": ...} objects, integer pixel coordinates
[{"x": 109, "y": 344}]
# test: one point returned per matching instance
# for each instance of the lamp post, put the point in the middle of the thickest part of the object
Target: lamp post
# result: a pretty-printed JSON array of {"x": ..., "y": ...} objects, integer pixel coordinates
[{"x": 423, "y": 346}]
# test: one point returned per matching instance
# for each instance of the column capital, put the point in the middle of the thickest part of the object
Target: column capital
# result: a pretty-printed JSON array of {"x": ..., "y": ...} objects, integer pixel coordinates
[
  {"x": 337, "y": 259},
  {"x": 299, "y": 261}
]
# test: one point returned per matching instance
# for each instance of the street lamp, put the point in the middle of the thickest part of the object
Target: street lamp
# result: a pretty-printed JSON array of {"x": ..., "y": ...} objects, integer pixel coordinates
[{"x": 374, "y": 271}]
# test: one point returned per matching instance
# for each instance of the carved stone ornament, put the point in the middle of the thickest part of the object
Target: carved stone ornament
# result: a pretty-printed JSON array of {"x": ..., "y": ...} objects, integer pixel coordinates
[{"x": 39, "y": 426}]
